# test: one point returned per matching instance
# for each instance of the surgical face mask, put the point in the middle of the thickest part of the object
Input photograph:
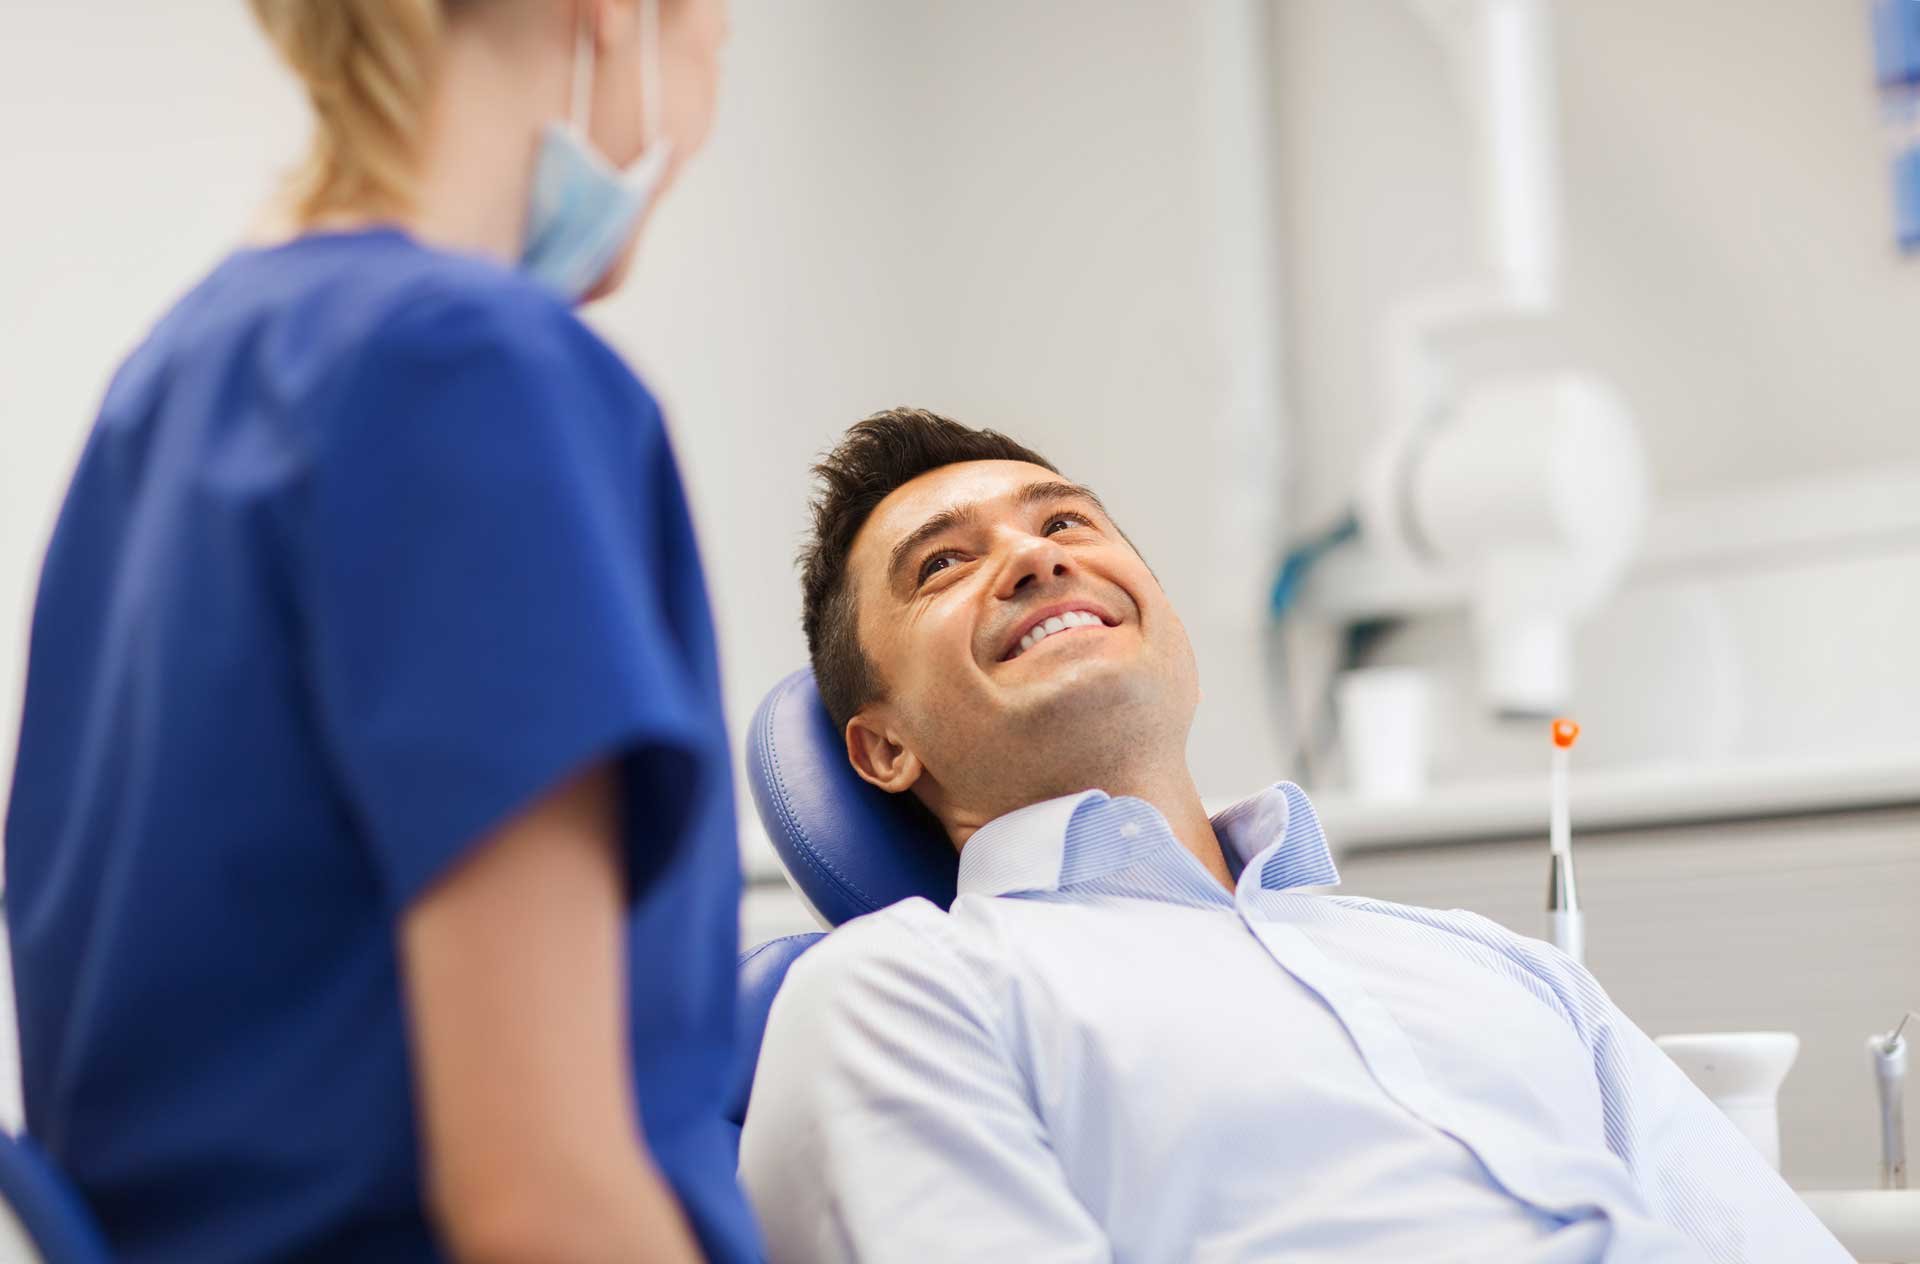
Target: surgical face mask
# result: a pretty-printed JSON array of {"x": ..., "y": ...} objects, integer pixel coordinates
[{"x": 583, "y": 210}]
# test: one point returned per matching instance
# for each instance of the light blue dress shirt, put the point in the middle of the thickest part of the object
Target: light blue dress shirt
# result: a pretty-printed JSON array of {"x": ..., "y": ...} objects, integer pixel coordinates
[{"x": 1101, "y": 1054}]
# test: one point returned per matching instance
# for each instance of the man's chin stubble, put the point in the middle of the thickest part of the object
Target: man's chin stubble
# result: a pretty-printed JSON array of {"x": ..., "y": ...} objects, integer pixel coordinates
[{"x": 1092, "y": 735}]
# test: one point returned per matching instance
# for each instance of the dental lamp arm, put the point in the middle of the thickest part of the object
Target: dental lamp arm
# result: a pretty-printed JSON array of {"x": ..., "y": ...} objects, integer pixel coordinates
[{"x": 888, "y": 1120}]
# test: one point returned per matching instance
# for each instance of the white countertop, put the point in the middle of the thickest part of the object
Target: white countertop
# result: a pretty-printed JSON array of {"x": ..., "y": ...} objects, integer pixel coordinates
[
  {"x": 1622, "y": 798},
  {"x": 1626, "y": 798}
]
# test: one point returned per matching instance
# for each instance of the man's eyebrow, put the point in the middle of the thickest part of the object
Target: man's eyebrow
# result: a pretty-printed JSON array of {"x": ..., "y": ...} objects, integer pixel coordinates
[
  {"x": 941, "y": 523},
  {"x": 1059, "y": 490}
]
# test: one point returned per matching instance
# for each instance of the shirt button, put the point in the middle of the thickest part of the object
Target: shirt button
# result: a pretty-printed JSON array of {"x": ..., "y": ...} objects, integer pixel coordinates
[{"x": 1130, "y": 830}]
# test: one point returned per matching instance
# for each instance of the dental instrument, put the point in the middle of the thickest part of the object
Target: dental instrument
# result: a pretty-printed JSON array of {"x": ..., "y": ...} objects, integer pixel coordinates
[
  {"x": 1565, "y": 920},
  {"x": 1888, "y": 1055},
  {"x": 1517, "y": 493}
]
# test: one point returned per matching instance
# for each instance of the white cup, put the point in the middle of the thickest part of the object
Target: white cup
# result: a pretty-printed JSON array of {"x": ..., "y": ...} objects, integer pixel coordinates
[
  {"x": 1742, "y": 1072},
  {"x": 1386, "y": 721}
]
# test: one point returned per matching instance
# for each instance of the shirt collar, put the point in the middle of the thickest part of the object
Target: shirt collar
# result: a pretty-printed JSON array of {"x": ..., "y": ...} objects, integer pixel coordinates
[{"x": 1080, "y": 837}]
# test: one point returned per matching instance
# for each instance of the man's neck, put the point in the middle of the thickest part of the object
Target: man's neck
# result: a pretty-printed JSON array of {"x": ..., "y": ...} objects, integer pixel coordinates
[
  {"x": 1179, "y": 801},
  {"x": 1170, "y": 790}
]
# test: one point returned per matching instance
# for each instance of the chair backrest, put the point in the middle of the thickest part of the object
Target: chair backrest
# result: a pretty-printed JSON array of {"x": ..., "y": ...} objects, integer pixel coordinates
[
  {"x": 41, "y": 1215},
  {"x": 849, "y": 847},
  {"x": 762, "y": 969}
]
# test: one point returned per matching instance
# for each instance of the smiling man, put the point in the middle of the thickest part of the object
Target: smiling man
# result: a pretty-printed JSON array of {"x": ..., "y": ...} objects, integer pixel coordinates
[{"x": 1140, "y": 1033}]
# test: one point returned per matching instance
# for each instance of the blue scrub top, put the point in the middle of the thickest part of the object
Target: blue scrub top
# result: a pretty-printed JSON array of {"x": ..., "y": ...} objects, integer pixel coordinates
[{"x": 370, "y": 546}]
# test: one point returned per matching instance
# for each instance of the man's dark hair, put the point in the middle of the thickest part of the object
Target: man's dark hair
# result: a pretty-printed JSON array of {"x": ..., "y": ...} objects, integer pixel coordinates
[{"x": 874, "y": 457}]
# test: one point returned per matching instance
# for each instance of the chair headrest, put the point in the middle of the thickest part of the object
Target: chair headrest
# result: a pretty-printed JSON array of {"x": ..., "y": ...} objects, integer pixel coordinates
[{"x": 850, "y": 847}]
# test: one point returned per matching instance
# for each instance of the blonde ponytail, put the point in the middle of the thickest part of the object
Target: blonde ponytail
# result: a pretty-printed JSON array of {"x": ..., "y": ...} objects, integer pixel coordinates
[{"x": 368, "y": 67}]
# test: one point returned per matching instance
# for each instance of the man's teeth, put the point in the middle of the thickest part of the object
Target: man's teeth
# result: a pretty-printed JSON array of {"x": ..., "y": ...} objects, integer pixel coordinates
[{"x": 1059, "y": 622}]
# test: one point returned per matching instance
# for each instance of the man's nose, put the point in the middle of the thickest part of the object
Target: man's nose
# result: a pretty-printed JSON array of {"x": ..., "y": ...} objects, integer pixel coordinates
[{"x": 1032, "y": 560}]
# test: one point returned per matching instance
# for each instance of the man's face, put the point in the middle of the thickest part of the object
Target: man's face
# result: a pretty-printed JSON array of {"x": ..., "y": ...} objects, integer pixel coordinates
[{"x": 1020, "y": 642}]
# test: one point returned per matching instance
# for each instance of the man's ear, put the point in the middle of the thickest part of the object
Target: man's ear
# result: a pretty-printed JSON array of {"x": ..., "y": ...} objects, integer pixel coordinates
[{"x": 878, "y": 758}]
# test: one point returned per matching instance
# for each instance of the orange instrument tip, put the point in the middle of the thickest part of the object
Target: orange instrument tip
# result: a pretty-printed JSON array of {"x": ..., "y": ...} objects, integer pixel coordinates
[{"x": 1564, "y": 733}]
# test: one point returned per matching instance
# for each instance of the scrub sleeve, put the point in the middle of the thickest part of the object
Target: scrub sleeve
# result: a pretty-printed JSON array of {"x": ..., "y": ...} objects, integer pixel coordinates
[{"x": 483, "y": 618}]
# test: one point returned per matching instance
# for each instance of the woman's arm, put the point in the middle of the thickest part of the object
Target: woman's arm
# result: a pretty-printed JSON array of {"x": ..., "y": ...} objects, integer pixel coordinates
[{"x": 515, "y": 974}]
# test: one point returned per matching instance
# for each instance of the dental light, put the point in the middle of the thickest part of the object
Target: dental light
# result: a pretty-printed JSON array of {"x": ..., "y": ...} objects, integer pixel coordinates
[
  {"x": 1521, "y": 495},
  {"x": 1525, "y": 500}
]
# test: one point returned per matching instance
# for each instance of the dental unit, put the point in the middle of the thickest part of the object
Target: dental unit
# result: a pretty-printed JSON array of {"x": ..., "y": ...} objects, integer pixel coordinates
[
  {"x": 1888, "y": 1054},
  {"x": 1565, "y": 920}
]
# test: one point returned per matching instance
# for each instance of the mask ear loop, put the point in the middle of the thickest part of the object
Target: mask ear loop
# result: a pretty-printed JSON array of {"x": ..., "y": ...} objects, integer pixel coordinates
[
  {"x": 650, "y": 104},
  {"x": 580, "y": 111}
]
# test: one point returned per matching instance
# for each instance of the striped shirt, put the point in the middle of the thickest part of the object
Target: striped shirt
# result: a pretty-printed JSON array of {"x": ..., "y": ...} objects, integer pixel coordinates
[{"x": 1101, "y": 1054}]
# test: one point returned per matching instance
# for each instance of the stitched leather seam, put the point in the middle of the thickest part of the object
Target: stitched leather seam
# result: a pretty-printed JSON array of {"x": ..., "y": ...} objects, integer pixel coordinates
[{"x": 757, "y": 949}]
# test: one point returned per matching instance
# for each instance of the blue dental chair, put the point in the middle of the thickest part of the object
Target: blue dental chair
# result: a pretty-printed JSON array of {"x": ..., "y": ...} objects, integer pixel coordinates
[
  {"x": 44, "y": 1219},
  {"x": 849, "y": 847}
]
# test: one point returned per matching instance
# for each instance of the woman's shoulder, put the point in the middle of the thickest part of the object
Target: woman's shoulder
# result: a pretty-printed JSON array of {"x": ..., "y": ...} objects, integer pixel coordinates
[
  {"x": 458, "y": 308},
  {"x": 422, "y": 299},
  {"x": 456, "y": 362},
  {"x": 326, "y": 300},
  {"x": 354, "y": 320}
]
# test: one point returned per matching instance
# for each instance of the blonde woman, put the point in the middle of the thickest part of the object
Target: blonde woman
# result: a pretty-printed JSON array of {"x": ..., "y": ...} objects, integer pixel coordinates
[{"x": 370, "y": 864}]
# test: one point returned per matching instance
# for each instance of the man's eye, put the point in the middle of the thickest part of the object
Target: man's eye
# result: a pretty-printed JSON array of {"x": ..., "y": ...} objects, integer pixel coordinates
[
  {"x": 934, "y": 565},
  {"x": 1071, "y": 519}
]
